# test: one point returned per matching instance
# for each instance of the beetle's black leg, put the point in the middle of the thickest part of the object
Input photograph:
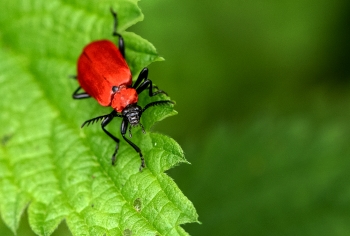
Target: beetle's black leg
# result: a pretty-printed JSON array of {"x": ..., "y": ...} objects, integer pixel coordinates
[
  {"x": 142, "y": 76},
  {"x": 104, "y": 123},
  {"x": 115, "y": 33},
  {"x": 123, "y": 128},
  {"x": 147, "y": 84},
  {"x": 143, "y": 83},
  {"x": 77, "y": 95}
]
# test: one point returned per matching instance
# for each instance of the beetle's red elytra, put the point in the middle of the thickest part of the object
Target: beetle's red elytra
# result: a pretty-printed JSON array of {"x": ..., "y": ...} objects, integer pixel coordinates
[
  {"x": 101, "y": 67},
  {"x": 104, "y": 74}
]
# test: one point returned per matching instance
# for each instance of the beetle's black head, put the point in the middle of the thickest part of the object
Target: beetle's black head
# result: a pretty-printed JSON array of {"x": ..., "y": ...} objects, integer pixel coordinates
[{"x": 132, "y": 113}]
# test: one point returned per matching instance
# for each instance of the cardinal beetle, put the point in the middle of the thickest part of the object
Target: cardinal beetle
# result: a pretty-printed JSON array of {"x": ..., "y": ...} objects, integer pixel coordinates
[{"x": 104, "y": 75}]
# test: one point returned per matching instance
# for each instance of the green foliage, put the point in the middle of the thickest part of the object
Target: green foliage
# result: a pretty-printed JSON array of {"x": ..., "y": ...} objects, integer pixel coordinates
[
  {"x": 287, "y": 176},
  {"x": 50, "y": 165}
]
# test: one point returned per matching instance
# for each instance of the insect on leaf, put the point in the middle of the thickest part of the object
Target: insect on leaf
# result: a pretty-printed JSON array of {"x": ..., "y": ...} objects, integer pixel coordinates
[{"x": 51, "y": 167}]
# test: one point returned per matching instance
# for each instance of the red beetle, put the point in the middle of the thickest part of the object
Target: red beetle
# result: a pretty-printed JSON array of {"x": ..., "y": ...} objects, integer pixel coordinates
[{"x": 104, "y": 75}]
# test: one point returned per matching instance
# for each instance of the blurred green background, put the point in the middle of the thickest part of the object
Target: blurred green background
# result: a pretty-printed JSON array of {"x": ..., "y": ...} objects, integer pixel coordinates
[{"x": 263, "y": 94}]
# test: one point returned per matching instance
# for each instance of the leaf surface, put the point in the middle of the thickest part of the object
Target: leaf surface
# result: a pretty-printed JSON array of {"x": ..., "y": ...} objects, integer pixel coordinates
[{"x": 49, "y": 164}]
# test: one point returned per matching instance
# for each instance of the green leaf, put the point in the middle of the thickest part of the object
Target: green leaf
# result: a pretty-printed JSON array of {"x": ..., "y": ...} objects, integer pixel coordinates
[{"x": 54, "y": 168}]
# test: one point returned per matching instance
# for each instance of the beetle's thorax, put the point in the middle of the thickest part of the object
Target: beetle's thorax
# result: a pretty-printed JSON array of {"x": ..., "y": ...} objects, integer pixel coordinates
[
  {"x": 122, "y": 96},
  {"x": 132, "y": 113}
]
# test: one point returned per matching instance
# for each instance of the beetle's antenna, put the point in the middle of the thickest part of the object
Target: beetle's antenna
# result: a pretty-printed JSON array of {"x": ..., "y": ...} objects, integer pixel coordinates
[
  {"x": 157, "y": 103},
  {"x": 96, "y": 119},
  {"x": 93, "y": 120}
]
